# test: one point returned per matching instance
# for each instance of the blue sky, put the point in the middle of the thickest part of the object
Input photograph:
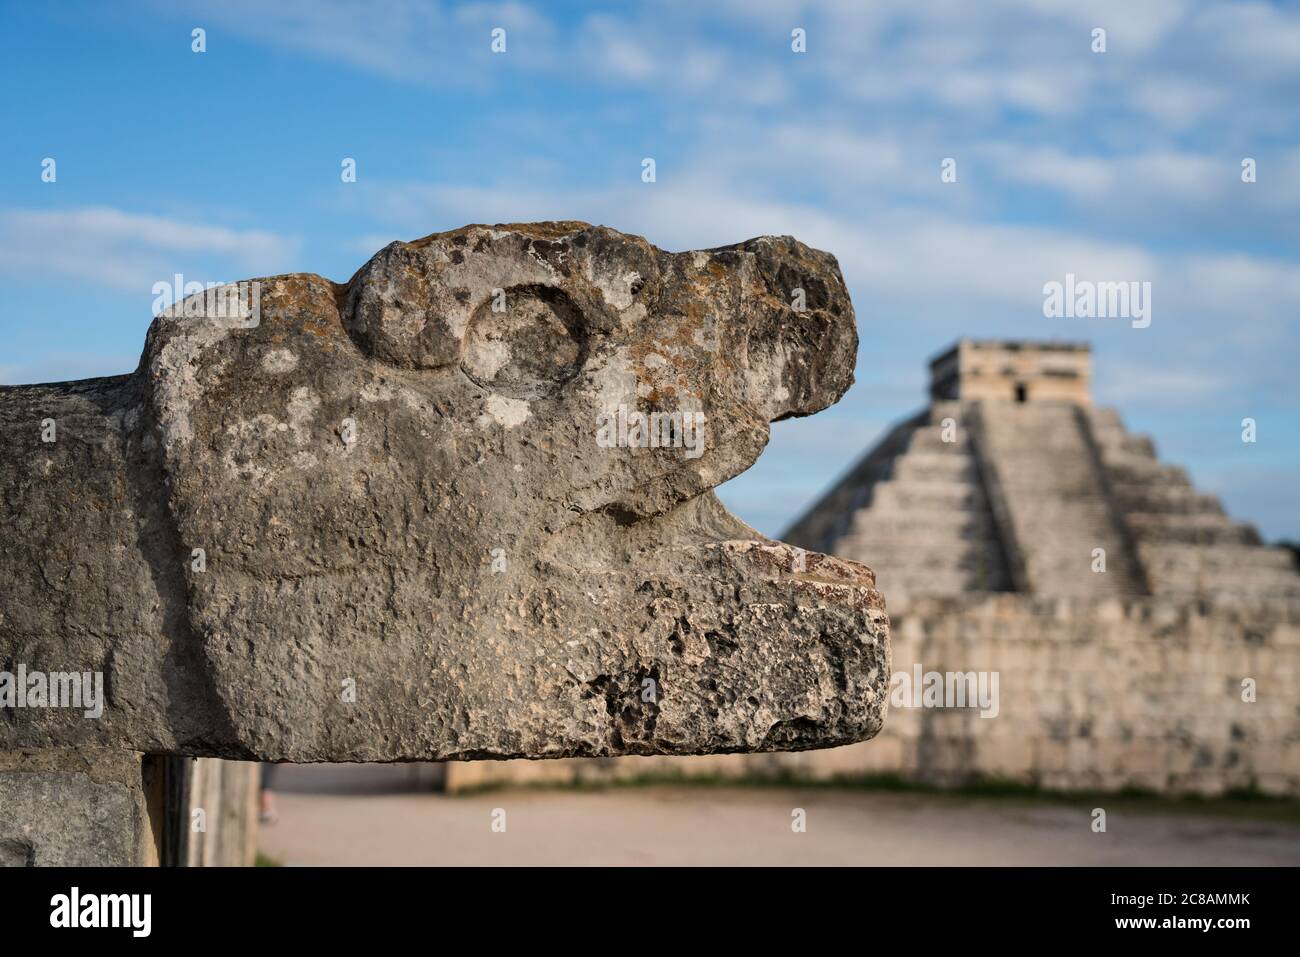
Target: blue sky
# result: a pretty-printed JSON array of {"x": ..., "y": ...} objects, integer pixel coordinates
[{"x": 1123, "y": 165}]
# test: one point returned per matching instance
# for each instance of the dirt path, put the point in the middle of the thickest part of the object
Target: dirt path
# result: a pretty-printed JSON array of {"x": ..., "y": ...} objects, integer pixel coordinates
[{"x": 383, "y": 821}]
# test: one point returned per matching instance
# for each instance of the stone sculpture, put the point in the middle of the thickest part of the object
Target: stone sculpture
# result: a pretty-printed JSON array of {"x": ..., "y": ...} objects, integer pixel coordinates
[{"x": 459, "y": 507}]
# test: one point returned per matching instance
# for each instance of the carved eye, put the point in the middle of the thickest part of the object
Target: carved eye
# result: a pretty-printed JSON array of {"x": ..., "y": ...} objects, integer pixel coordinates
[
  {"x": 396, "y": 313},
  {"x": 525, "y": 343}
]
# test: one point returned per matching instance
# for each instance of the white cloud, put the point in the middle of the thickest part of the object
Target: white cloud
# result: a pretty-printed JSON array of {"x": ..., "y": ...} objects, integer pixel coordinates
[
  {"x": 394, "y": 38},
  {"x": 1255, "y": 297},
  {"x": 618, "y": 50},
  {"x": 131, "y": 251},
  {"x": 1070, "y": 173},
  {"x": 1177, "y": 101},
  {"x": 1124, "y": 382},
  {"x": 1257, "y": 36},
  {"x": 1159, "y": 191},
  {"x": 1134, "y": 26},
  {"x": 953, "y": 55},
  {"x": 920, "y": 277},
  {"x": 904, "y": 253},
  {"x": 645, "y": 52}
]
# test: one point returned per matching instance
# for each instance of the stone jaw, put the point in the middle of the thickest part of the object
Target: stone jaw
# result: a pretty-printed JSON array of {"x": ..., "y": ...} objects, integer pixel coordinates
[{"x": 399, "y": 488}]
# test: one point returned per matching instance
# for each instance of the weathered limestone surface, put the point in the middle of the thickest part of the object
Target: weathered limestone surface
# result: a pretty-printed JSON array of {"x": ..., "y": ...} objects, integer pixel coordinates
[
  {"x": 1175, "y": 670},
  {"x": 74, "y": 809},
  {"x": 1095, "y": 694},
  {"x": 399, "y": 489}
]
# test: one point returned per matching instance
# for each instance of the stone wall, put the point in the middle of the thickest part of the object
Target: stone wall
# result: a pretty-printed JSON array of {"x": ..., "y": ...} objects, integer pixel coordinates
[
  {"x": 1103, "y": 694},
  {"x": 1093, "y": 694},
  {"x": 76, "y": 809},
  {"x": 1013, "y": 370},
  {"x": 394, "y": 520},
  {"x": 123, "y": 809},
  {"x": 916, "y": 511}
]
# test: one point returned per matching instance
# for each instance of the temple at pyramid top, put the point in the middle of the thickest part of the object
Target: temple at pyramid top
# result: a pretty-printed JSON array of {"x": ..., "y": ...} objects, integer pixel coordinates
[
  {"x": 1014, "y": 370},
  {"x": 1012, "y": 480}
]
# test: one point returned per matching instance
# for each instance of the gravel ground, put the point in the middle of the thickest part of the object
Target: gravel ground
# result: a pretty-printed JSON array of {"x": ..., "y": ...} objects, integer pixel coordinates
[{"x": 385, "y": 815}]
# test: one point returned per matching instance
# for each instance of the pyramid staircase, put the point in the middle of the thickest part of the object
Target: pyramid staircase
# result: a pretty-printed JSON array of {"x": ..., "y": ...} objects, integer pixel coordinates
[{"x": 1018, "y": 496}]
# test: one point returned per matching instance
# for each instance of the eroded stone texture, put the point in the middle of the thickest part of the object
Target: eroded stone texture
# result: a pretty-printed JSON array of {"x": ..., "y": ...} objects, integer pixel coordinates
[
  {"x": 399, "y": 488},
  {"x": 74, "y": 809}
]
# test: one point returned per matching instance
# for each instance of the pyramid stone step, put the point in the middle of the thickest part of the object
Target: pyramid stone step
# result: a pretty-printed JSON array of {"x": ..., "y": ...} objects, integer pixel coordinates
[
  {"x": 1168, "y": 499},
  {"x": 1221, "y": 558},
  {"x": 1033, "y": 480},
  {"x": 1197, "y": 528},
  {"x": 956, "y": 496},
  {"x": 1132, "y": 471},
  {"x": 1053, "y": 491},
  {"x": 923, "y": 525},
  {"x": 934, "y": 465}
]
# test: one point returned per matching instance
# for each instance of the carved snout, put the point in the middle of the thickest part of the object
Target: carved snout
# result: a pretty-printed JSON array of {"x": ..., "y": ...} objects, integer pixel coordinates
[{"x": 802, "y": 344}]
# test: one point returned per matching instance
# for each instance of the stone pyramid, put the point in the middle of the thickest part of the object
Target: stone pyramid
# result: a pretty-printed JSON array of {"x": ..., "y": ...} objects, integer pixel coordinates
[{"x": 1011, "y": 480}]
